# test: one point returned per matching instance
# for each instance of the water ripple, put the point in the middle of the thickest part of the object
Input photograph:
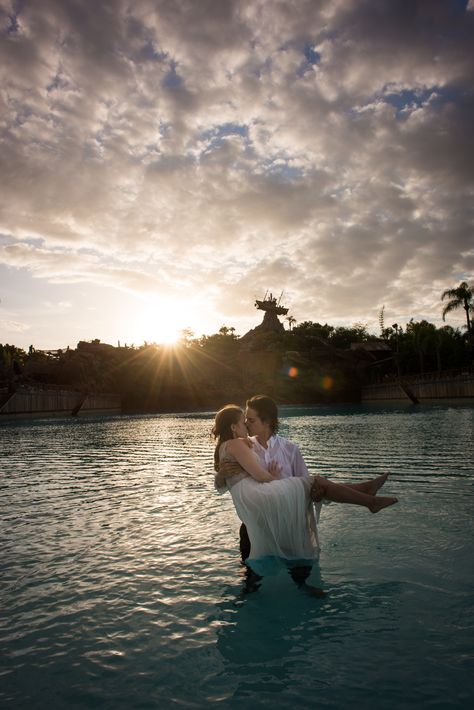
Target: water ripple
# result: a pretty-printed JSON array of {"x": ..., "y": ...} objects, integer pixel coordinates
[{"x": 121, "y": 584}]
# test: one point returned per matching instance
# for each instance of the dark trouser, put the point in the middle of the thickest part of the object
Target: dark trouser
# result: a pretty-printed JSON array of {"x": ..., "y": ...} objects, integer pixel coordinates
[
  {"x": 244, "y": 543},
  {"x": 298, "y": 574}
]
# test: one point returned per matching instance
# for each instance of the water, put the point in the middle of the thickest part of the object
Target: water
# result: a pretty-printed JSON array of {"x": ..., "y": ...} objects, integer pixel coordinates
[{"x": 120, "y": 582}]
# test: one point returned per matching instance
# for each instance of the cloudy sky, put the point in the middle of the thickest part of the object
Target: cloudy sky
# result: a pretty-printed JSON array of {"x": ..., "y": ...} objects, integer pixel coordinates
[{"x": 165, "y": 162}]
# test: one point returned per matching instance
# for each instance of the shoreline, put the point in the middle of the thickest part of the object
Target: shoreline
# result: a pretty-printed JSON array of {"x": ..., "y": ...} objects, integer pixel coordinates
[{"x": 36, "y": 415}]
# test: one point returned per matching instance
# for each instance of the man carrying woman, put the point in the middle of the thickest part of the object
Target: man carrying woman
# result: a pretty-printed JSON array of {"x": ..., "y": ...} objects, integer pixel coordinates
[{"x": 272, "y": 489}]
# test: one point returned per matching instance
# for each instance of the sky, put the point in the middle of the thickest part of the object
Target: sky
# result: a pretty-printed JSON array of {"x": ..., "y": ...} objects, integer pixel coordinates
[{"x": 165, "y": 162}]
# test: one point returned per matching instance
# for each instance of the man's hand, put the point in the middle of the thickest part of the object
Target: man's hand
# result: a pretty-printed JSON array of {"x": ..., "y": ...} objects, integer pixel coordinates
[
  {"x": 229, "y": 468},
  {"x": 274, "y": 469},
  {"x": 219, "y": 481},
  {"x": 226, "y": 469}
]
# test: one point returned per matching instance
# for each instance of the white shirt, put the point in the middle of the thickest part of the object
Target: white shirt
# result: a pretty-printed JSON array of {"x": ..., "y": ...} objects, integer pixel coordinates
[{"x": 286, "y": 454}]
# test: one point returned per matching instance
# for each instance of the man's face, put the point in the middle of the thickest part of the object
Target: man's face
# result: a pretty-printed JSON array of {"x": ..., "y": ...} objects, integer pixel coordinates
[{"x": 254, "y": 424}]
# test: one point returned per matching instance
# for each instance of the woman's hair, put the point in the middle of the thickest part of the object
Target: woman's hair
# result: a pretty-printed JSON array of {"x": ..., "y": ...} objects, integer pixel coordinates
[
  {"x": 222, "y": 429},
  {"x": 267, "y": 410}
]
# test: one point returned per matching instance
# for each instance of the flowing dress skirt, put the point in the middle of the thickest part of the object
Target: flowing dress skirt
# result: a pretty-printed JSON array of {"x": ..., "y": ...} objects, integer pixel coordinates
[{"x": 280, "y": 522}]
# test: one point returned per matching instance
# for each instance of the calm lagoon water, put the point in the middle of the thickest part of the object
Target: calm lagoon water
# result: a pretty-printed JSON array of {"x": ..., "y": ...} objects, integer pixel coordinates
[{"x": 120, "y": 582}]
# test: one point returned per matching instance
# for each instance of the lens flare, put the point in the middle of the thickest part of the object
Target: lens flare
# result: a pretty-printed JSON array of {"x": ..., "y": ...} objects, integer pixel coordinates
[
  {"x": 327, "y": 382},
  {"x": 293, "y": 372}
]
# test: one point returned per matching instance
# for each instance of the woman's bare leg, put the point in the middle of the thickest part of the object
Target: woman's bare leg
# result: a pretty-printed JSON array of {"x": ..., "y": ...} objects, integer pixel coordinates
[
  {"x": 372, "y": 486},
  {"x": 322, "y": 488}
]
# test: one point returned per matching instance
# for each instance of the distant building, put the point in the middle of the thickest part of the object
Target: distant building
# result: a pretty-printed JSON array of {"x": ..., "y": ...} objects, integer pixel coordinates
[{"x": 94, "y": 346}]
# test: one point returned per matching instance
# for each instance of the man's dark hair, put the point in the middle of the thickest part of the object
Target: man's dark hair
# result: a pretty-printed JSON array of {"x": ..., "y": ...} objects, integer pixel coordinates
[{"x": 267, "y": 410}]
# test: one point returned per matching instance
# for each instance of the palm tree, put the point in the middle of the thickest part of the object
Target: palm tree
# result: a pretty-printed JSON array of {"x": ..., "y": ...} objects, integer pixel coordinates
[
  {"x": 291, "y": 321},
  {"x": 460, "y": 297}
]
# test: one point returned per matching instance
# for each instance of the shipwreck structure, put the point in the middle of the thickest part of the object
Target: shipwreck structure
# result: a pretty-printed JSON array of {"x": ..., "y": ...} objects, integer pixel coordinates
[{"x": 272, "y": 308}]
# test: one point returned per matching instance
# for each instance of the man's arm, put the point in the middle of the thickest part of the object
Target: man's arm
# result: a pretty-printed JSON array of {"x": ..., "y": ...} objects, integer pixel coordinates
[
  {"x": 226, "y": 469},
  {"x": 298, "y": 466}
]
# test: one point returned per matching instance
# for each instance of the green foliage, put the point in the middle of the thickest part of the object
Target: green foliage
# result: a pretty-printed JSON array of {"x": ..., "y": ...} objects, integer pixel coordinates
[
  {"x": 460, "y": 297},
  {"x": 310, "y": 362},
  {"x": 308, "y": 335},
  {"x": 223, "y": 344},
  {"x": 187, "y": 337},
  {"x": 422, "y": 347},
  {"x": 343, "y": 337},
  {"x": 9, "y": 355},
  {"x": 308, "y": 328}
]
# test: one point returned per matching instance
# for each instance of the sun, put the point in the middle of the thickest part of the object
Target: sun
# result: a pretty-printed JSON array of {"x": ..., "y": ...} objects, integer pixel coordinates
[
  {"x": 163, "y": 321},
  {"x": 167, "y": 334}
]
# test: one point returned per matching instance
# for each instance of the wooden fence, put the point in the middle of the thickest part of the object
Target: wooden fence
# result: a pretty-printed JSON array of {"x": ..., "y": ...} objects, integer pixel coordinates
[
  {"x": 56, "y": 401},
  {"x": 425, "y": 387}
]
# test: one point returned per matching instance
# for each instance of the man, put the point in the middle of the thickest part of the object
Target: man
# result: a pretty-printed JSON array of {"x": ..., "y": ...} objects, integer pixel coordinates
[{"x": 261, "y": 418}]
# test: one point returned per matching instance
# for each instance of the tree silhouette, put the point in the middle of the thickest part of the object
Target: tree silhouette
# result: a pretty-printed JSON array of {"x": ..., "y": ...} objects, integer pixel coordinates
[
  {"x": 460, "y": 297},
  {"x": 423, "y": 336},
  {"x": 382, "y": 322}
]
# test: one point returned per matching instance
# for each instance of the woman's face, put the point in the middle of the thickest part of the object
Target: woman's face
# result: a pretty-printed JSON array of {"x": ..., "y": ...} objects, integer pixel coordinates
[{"x": 239, "y": 429}]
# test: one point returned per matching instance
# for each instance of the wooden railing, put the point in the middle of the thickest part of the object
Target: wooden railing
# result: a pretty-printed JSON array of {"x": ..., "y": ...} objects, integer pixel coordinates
[
  {"x": 454, "y": 374},
  {"x": 450, "y": 384}
]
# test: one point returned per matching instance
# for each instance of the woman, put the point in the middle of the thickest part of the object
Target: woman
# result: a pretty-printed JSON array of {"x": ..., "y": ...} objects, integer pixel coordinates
[{"x": 277, "y": 512}]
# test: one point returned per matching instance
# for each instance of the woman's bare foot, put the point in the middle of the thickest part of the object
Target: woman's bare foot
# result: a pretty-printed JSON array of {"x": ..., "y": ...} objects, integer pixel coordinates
[
  {"x": 381, "y": 502},
  {"x": 376, "y": 484},
  {"x": 370, "y": 487}
]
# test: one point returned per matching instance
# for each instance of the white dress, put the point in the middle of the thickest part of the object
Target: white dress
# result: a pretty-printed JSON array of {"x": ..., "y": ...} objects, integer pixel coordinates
[{"x": 278, "y": 517}]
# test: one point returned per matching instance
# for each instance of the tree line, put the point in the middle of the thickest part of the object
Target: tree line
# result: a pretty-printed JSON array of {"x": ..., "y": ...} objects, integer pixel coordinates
[{"x": 295, "y": 364}]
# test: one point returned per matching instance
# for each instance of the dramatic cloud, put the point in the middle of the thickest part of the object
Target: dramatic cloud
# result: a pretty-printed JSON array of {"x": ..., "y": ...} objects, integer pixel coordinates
[{"x": 172, "y": 148}]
